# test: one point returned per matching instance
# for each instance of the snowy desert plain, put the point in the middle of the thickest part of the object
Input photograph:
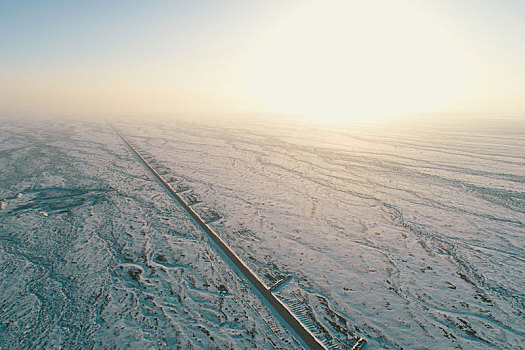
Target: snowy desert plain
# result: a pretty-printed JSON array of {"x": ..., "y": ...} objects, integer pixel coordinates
[{"x": 410, "y": 236}]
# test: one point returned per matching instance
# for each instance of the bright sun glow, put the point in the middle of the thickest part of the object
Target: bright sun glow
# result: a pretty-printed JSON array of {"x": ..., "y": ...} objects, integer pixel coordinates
[
  {"x": 328, "y": 60},
  {"x": 356, "y": 59}
]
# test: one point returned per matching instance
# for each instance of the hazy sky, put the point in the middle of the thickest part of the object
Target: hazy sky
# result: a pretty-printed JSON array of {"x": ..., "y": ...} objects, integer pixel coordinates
[{"x": 330, "y": 59}]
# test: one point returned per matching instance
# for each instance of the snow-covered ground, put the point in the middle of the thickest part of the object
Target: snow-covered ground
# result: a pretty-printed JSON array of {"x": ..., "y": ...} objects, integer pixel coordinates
[
  {"x": 414, "y": 236},
  {"x": 94, "y": 254},
  {"x": 409, "y": 237}
]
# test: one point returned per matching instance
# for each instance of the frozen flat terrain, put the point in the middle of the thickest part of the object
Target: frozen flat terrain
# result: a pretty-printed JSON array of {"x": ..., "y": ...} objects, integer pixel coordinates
[
  {"x": 93, "y": 254},
  {"x": 411, "y": 238}
]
